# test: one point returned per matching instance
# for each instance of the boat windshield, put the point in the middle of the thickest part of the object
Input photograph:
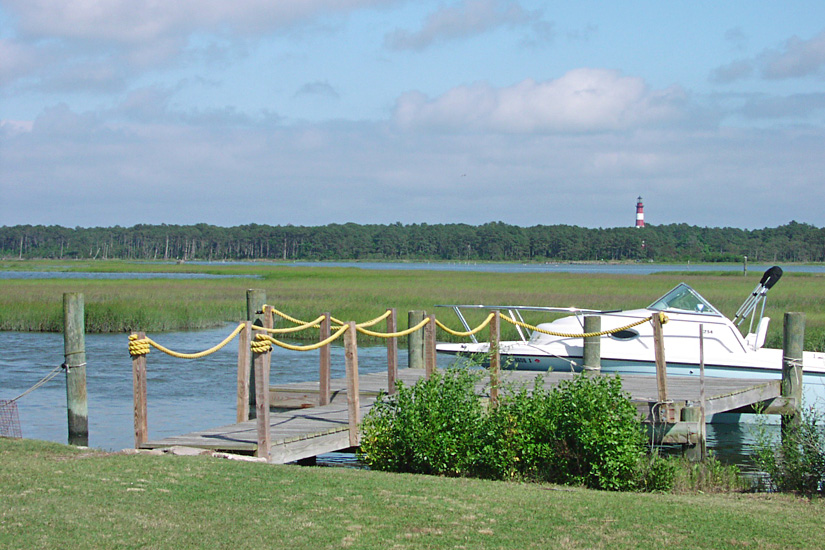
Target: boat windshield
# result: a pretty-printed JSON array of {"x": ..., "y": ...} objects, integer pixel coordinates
[{"x": 683, "y": 299}]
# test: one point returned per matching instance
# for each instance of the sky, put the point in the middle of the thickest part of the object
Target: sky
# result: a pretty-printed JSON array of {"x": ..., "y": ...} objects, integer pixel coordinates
[{"x": 311, "y": 112}]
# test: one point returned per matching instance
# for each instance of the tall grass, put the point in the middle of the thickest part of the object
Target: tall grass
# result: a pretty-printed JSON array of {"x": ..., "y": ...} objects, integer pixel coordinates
[{"x": 360, "y": 294}]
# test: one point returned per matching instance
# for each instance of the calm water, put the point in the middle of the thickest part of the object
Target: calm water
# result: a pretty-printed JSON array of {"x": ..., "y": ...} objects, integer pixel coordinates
[{"x": 184, "y": 395}]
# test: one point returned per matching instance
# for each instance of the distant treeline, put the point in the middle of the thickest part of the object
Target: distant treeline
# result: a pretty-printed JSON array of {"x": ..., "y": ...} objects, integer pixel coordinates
[{"x": 497, "y": 241}]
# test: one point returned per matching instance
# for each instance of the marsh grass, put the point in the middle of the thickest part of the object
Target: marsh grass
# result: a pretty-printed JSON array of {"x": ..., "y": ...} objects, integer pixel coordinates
[
  {"x": 55, "y": 496},
  {"x": 360, "y": 294}
]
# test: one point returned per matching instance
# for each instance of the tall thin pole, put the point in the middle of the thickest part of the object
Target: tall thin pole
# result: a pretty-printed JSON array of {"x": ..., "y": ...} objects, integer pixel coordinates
[
  {"x": 392, "y": 352},
  {"x": 255, "y": 300},
  {"x": 74, "y": 352}
]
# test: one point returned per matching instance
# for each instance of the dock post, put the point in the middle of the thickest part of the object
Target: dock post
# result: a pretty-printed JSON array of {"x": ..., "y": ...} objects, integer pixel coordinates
[
  {"x": 392, "y": 352},
  {"x": 793, "y": 337},
  {"x": 244, "y": 361},
  {"x": 415, "y": 341},
  {"x": 353, "y": 391},
  {"x": 495, "y": 356},
  {"x": 255, "y": 300},
  {"x": 74, "y": 353},
  {"x": 592, "y": 345},
  {"x": 139, "y": 389},
  {"x": 429, "y": 347},
  {"x": 261, "y": 363},
  {"x": 325, "y": 366},
  {"x": 694, "y": 452},
  {"x": 659, "y": 351}
]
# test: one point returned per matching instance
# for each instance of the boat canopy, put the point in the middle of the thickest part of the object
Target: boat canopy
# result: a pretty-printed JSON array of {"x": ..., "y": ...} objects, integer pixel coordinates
[{"x": 683, "y": 299}]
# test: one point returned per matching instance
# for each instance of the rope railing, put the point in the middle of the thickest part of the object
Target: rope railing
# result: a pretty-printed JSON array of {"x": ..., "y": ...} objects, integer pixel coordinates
[
  {"x": 262, "y": 343},
  {"x": 399, "y": 334},
  {"x": 448, "y": 330},
  {"x": 662, "y": 318},
  {"x": 141, "y": 346}
]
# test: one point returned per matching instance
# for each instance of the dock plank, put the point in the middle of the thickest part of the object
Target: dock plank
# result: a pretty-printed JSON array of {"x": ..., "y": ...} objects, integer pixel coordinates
[{"x": 305, "y": 432}]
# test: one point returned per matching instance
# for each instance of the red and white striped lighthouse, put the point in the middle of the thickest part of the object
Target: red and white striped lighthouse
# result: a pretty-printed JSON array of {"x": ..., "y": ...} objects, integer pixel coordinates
[{"x": 640, "y": 213}]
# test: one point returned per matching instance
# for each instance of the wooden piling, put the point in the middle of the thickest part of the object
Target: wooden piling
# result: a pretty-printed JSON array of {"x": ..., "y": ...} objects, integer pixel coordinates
[
  {"x": 139, "y": 393},
  {"x": 261, "y": 362},
  {"x": 353, "y": 397},
  {"x": 793, "y": 336},
  {"x": 694, "y": 452},
  {"x": 74, "y": 353},
  {"x": 415, "y": 341},
  {"x": 392, "y": 352},
  {"x": 495, "y": 357},
  {"x": 592, "y": 345},
  {"x": 659, "y": 351},
  {"x": 325, "y": 366},
  {"x": 244, "y": 361},
  {"x": 255, "y": 300},
  {"x": 429, "y": 347}
]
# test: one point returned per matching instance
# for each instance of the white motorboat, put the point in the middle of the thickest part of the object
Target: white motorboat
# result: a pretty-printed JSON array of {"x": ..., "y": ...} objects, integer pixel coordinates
[{"x": 726, "y": 352}]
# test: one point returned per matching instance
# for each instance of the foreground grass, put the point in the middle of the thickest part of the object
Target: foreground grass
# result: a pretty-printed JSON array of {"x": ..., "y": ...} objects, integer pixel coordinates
[
  {"x": 61, "y": 497},
  {"x": 360, "y": 294}
]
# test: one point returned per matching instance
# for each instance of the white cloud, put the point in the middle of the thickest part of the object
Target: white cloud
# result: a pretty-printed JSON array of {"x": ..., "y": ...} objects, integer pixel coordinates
[
  {"x": 139, "y": 21},
  {"x": 583, "y": 100},
  {"x": 796, "y": 58},
  {"x": 89, "y": 168},
  {"x": 105, "y": 39},
  {"x": 462, "y": 20}
]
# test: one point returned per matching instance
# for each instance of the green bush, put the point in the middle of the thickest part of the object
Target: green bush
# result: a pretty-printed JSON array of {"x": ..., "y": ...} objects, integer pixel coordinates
[
  {"x": 583, "y": 431},
  {"x": 797, "y": 462},
  {"x": 429, "y": 428}
]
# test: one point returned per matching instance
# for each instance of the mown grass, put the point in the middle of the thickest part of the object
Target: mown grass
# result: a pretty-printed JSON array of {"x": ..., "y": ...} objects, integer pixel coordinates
[
  {"x": 360, "y": 294},
  {"x": 60, "y": 497}
]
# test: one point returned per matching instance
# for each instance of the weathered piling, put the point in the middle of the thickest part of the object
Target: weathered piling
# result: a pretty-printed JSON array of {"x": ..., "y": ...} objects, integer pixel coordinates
[
  {"x": 353, "y": 391},
  {"x": 592, "y": 344},
  {"x": 244, "y": 361},
  {"x": 255, "y": 301},
  {"x": 325, "y": 358},
  {"x": 415, "y": 341},
  {"x": 495, "y": 357},
  {"x": 659, "y": 352},
  {"x": 140, "y": 397},
  {"x": 261, "y": 362},
  {"x": 793, "y": 337},
  {"x": 392, "y": 352},
  {"x": 74, "y": 352},
  {"x": 429, "y": 347}
]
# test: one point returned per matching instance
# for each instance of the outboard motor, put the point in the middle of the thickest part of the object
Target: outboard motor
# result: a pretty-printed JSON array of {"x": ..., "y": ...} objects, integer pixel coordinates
[{"x": 769, "y": 278}]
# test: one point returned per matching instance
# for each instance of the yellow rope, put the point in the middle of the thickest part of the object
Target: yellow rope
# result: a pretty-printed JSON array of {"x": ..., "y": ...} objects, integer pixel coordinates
[
  {"x": 483, "y": 324},
  {"x": 314, "y": 324},
  {"x": 299, "y": 328},
  {"x": 141, "y": 347},
  {"x": 398, "y": 334},
  {"x": 662, "y": 317},
  {"x": 262, "y": 342}
]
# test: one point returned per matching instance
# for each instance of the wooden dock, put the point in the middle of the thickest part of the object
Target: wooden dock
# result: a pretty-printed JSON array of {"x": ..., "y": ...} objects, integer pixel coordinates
[{"x": 300, "y": 430}]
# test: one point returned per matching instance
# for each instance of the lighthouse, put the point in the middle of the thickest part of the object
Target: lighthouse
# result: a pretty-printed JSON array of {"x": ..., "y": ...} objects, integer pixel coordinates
[{"x": 640, "y": 213}]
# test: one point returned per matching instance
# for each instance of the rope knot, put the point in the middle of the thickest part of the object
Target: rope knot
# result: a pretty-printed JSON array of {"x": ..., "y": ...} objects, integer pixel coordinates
[
  {"x": 261, "y": 344},
  {"x": 138, "y": 347}
]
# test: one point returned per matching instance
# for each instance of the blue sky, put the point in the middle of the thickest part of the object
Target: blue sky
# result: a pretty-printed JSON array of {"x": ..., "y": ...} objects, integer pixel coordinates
[{"x": 310, "y": 112}]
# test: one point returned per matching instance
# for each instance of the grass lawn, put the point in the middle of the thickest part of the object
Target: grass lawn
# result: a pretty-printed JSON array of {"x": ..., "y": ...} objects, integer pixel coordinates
[{"x": 62, "y": 497}]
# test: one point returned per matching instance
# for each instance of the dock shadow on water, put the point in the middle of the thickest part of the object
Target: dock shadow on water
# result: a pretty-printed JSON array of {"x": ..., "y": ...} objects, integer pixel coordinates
[{"x": 190, "y": 395}]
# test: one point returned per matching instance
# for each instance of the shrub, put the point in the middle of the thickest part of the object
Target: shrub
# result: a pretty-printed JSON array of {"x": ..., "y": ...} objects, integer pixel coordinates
[
  {"x": 584, "y": 431},
  {"x": 797, "y": 463},
  {"x": 429, "y": 428}
]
